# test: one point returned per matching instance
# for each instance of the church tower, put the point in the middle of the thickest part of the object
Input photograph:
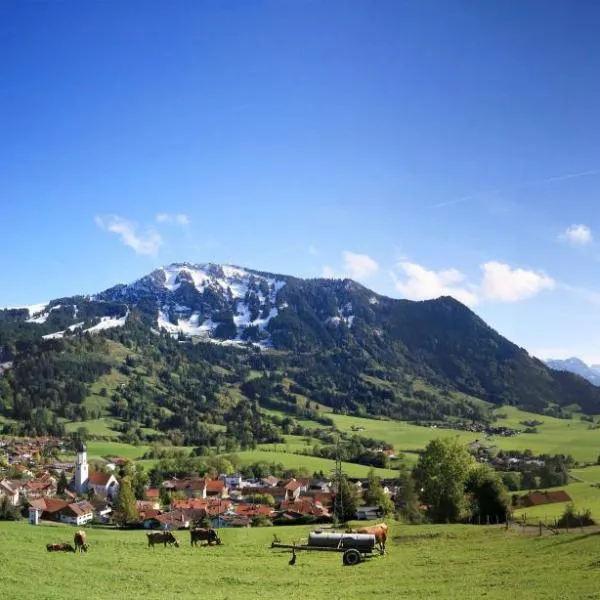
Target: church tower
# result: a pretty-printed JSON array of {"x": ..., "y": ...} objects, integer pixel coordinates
[{"x": 81, "y": 469}]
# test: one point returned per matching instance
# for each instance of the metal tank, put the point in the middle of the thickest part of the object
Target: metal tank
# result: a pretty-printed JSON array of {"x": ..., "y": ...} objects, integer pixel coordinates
[{"x": 363, "y": 542}]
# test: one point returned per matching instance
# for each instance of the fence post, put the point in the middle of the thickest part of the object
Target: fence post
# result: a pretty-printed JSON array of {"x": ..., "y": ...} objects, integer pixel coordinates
[
  {"x": 487, "y": 519},
  {"x": 540, "y": 528}
]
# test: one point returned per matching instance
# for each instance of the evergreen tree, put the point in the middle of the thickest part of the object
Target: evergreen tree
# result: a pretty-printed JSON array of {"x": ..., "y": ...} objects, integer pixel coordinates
[
  {"x": 62, "y": 483},
  {"x": 164, "y": 497},
  {"x": 125, "y": 505}
]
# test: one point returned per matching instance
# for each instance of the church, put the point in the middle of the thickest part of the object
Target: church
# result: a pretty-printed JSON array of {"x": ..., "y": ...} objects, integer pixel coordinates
[{"x": 102, "y": 484}]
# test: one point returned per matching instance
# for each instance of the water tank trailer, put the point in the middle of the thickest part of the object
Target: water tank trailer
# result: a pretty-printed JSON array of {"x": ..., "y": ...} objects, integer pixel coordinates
[{"x": 353, "y": 546}]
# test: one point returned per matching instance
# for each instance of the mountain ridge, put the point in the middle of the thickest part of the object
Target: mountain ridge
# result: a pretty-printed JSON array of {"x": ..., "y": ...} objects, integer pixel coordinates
[
  {"x": 577, "y": 366},
  {"x": 330, "y": 341}
]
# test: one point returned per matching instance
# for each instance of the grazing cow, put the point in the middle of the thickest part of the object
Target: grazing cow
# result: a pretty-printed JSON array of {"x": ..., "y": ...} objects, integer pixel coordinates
[
  {"x": 80, "y": 539},
  {"x": 380, "y": 533},
  {"x": 202, "y": 534},
  {"x": 164, "y": 537},
  {"x": 60, "y": 548}
]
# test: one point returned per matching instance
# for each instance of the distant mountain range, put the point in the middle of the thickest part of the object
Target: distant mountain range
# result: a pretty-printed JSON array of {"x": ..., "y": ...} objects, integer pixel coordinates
[
  {"x": 577, "y": 366},
  {"x": 209, "y": 334}
]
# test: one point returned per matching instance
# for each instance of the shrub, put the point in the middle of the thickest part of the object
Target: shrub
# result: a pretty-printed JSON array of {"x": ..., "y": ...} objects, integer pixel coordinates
[{"x": 572, "y": 518}]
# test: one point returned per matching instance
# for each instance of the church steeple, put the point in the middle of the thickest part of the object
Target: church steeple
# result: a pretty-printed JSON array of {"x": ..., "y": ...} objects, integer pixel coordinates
[{"x": 81, "y": 469}]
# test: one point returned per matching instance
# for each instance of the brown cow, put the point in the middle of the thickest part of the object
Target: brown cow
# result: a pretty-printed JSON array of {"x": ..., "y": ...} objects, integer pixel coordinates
[
  {"x": 60, "y": 548},
  {"x": 380, "y": 533},
  {"x": 80, "y": 539},
  {"x": 164, "y": 537},
  {"x": 202, "y": 534}
]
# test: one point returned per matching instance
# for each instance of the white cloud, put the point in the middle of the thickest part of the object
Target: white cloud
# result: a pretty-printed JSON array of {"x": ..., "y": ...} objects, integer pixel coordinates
[
  {"x": 147, "y": 242},
  {"x": 359, "y": 266},
  {"x": 312, "y": 249},
  {"x": 501, "y": 282},
  {"x": 577, "y": 234},
  {"x": 424, "y": 284},
  {"x": 175, "y": 219}
]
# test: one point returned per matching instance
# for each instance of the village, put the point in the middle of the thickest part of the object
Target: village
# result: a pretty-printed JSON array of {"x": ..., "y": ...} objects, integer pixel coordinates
[{"x": 43, "y": 488}]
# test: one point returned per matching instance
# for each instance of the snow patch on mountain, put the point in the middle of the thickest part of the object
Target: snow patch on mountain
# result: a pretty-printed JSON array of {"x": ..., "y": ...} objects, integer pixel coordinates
[
  {"x": 108, "y": 323},
  {"x": 250, "y": 299},
  {"x": 43, "y": 316},
  {"x": 32, "y": 309}
]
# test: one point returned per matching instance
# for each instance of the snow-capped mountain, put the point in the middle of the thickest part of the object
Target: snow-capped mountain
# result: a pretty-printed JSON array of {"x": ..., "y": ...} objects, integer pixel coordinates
[
  {"x": 324, "y": 330},
  {"x": 577, "y": 366},
  {"x": 218, "y": 302},
  {"x": 224, "y": 304}
]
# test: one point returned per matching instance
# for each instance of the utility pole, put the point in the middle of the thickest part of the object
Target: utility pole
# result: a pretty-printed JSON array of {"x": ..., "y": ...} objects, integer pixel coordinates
[{"x": 338, "y": 499}]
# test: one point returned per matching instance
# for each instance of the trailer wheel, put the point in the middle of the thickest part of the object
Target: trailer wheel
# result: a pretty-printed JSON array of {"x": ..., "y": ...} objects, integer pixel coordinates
[{"x": 351, "y": 557}]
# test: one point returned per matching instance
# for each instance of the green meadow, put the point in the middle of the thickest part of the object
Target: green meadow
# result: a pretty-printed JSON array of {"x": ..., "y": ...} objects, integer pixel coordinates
[
  {"x": 584, "y": 496},
  {"x": 554, "y": 436},
  {"x": 422, "y": 562}
]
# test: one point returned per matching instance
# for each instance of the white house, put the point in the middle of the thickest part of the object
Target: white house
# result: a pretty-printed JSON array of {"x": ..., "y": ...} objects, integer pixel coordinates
[
  {"x": 103, "y": 484},
  {"x": 77, "y": 513},
  {"x": 10, "y": 491}
]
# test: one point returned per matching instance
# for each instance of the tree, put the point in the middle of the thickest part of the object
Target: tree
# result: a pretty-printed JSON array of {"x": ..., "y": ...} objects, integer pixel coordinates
[
  {"x": 554, "y": 472},
  {"x": 406, "y": 499},
  {"x": 266, "y": 499},
  {"x": 8, "y": 512},
  {"x": 375, "y": 496},
  {"x": 164, "y": 497},
  {"x": 441, "y": 474},
  {"x": 139, "y": 481},
  {"x": 512, "y": 481},
  {"x": 62, "y": 483},
  {"x": 349, "y": 500},
  {"x": 489, "y": 498},
  {"x": 125, "y": 505}
]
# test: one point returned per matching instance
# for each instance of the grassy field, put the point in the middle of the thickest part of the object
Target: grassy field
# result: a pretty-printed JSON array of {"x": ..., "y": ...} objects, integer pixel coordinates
[
  {"x": 401, "y": 434},
  {"x": 571, "y": 436},
  {"x": 423, "y": 562},
  {"x": 589, "y": 474},
  {"x": 101, "y": 427},
  {"x": 100, "y": 449},
  {"x": 312, "y": 463},
  {"x": 584, "y": 497}
]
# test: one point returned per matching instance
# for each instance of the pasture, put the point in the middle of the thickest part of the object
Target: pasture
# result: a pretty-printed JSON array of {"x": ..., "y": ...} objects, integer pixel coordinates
[
  {"x": 312, "y": 463},
  {"x": 555, "y": 436},
  {"x": 423, "y": 562},
  {"x": 584, "y": 496}
]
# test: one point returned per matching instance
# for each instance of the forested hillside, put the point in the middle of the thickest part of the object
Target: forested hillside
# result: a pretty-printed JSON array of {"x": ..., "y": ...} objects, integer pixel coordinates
[{"x": 186, "y": 350}]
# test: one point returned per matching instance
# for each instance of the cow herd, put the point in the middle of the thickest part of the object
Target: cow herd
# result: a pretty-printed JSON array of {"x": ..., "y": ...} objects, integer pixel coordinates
[
  {"x": 79, "y": 539},
  {"x": 165, "y": 538}
]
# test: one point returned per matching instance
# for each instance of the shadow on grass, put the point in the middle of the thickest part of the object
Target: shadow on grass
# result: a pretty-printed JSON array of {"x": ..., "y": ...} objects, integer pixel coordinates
[
  {"x": 577, "y": 538},
  {"x": 403, "y": 539}
]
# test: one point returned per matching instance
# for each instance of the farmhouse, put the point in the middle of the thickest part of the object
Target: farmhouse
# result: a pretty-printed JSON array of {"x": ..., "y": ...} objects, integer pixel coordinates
[
  {"x": 198, "y": 487},
  {"x": 103, "y": 484},
  {"x": 54, "y": 509},
  {"x": 9, "y": 490},
  {"x": 538, "y": 498}
]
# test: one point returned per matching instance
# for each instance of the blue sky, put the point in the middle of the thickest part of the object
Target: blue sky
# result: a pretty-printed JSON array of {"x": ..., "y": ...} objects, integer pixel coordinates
[{"x": 422, "y": 147}]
